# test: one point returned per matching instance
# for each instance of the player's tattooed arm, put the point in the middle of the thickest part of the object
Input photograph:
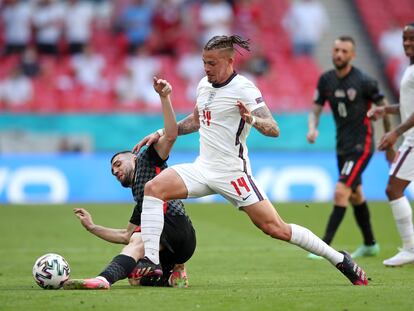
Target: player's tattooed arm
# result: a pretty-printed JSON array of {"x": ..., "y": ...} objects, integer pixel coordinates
[
  {"x": 261, "y": 119},
  {"x": 264, "y": 122},
  {"x": 190, "y": 124}
]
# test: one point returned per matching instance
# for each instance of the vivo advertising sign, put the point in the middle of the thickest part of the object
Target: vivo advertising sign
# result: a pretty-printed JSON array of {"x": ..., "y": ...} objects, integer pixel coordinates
[{"x": 77, "y": 178}]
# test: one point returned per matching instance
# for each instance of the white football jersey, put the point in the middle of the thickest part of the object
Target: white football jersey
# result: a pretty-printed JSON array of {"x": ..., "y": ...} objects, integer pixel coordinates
[
  {"x": 407, "y": 102},
  {"x": 223, "y": 132}
]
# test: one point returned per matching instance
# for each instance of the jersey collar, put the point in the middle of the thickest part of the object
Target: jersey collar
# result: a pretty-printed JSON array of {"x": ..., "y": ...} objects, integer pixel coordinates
[{"x": 217, "y": 85}]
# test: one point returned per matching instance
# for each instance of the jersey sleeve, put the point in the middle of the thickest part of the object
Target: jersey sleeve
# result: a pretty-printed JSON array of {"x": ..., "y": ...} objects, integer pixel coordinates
[
  {"x": 319, "y": 97},
  {"x": 252, "y": 97},
  {"x": 371, "y": 90},
  {"x": 154, "y": 158}
]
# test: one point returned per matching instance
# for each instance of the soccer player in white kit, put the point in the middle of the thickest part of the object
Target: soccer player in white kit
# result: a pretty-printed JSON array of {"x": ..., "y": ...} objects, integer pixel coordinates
[
  {"x": 228, "y": 105},
  {"x": 402, "y": 169}
]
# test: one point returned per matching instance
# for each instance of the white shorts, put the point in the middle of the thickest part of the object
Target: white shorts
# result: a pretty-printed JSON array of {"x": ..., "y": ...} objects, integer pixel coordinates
[
  {"x": 239, "y": 188},
  {"x": 403, "y": 165}
]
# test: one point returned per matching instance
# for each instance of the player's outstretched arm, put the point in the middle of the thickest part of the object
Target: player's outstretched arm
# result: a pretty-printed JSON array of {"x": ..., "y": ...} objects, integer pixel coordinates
[
  {"x": 261, "y": 119},
  {"x": 378, "y": 112},
  {"x": 119, "y": 236},
  {"x": 165, "y": 143},
  {"x": 313, "y": 122},
  {"x": 189, "y": 124}
]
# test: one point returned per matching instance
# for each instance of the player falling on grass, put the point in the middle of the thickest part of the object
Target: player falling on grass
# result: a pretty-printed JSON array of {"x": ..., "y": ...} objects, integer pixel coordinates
[
  {"x": 178, "y": 239},
  {"x": 350, "y": 93},
  {"x": 402, "y": 169},
  {"x": 228, "y": 105}
]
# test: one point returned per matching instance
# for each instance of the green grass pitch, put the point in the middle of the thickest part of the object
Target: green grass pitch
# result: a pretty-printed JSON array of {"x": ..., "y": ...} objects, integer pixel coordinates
[{"x": 235, "y": 267}]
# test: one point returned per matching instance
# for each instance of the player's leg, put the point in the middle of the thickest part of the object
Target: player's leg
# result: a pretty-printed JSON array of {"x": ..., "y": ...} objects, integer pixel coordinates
[
  {"x": 362, "y": 216},
  {"x": 179, "y": 239},
  {"x": 168, "y": 185},
  {"x": 264, "y": 216},
  {"x": 118, "y": 269},
  {"x": 401, "y": 174},
  {"x": 402, "y": 213},
  {"x": 176, "y": 182},
  {"x": 341, "y": 197}
]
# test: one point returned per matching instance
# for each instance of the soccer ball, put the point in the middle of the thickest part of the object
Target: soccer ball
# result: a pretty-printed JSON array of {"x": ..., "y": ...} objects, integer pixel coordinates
[{"x": 50, "y": 271}]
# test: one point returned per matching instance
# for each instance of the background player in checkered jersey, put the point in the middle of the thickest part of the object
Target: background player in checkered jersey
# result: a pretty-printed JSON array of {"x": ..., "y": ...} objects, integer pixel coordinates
[
  {"x": 178, "y": 239},
  {"x": 350, "y": 93},
  {"x": 402, "y": 169},
  {"x": 228, "y": 105}
]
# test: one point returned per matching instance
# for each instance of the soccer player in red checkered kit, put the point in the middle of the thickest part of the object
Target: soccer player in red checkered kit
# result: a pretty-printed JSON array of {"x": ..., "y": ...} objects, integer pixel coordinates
[
  {"x": 402, "y": 169},
  {"x": 228, "y": 105},
  {"x": 178, "y": 240},
  {"x": 350, "y": 93}
]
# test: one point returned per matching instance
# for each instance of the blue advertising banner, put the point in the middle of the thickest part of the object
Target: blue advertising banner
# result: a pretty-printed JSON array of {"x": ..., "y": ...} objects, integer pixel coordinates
[{"x": 83, "y": 178}]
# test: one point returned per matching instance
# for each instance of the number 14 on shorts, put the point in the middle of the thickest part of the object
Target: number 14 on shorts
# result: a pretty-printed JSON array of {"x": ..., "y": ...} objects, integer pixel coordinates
[{"x": 240, "y": 184}]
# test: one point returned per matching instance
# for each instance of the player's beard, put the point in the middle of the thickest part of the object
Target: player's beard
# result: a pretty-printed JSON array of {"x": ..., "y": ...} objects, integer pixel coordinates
[
  {"x": 127, "y": 181},
  {"x": 341, "y": 65}
]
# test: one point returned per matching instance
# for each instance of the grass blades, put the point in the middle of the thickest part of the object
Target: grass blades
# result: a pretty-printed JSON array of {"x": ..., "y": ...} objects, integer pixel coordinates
[{"x": 235, "y": 267}]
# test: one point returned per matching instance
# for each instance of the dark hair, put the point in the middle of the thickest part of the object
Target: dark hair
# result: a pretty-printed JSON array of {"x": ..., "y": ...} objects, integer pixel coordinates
[
  {"x": 121, "y": 152},
  {"x": 410, "y": 24},
  {"x": 347, "y": 39},
  {"x": 227, "y": 42}
]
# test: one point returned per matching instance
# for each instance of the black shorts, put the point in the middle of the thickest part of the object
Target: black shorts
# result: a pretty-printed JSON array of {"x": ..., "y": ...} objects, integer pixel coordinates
[
  {"x": 178, "y": 241},
  {"x": 350, "y": 168}
]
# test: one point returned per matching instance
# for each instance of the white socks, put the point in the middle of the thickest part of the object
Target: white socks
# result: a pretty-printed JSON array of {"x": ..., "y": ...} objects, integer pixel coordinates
[
  {"x": 401, "y": 209},
  {"x": 309, "y": 241},
  {"x": 152, "y": 223}
]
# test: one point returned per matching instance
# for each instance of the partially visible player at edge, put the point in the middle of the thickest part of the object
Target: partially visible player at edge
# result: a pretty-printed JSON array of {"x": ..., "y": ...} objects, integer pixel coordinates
[
  {"x": 227, "y": 106},
  {"x": 402, "y": 170},
  {"x": 178, "y": 240},
  {"x": 350, "y": 93}
]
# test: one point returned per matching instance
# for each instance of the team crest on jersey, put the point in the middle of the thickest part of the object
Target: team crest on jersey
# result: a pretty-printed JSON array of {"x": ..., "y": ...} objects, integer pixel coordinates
[
  {"x": 340, "y": 93},
  {"x": 259, "y": 100},
  {"x": 351, "y": 94},
  {"x": 210, "y": 98}
]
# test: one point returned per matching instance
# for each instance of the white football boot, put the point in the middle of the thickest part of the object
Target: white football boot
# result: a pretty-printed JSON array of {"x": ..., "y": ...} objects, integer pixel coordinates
[{"x": 403, "y": 257}]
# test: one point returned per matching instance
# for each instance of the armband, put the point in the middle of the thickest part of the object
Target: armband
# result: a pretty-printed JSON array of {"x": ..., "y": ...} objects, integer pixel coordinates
[{"x": 161, "y": 132}]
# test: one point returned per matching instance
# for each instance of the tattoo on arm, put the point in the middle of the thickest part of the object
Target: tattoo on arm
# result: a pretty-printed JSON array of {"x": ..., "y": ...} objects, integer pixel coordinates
[
  {"x": 189, "y": 125},
  {"x": 265, "y": 123}
]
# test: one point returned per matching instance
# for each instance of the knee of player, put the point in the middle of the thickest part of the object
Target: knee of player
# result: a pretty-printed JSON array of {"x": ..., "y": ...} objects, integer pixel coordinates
[
  {"x": 152, "y": 188},
  {"x": 393, "y": 193},
  {"x": 340, "y": 194}
]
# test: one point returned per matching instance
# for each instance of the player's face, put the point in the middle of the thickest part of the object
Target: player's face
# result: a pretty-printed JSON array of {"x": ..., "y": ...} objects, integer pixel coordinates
[
  {"x": 408, "y": 41},
  {"x": 217, "y": 65},
  {"x": 342, "y": 54},
  {"x": 123, "y": 166}
]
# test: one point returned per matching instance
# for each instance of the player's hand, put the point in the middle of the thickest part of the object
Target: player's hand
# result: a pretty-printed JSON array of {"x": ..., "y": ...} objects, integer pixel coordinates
[
  {"x": 146, "y": 141},
  {"x": 390, "y": 154},
  {"x": 162, "y": 87},
  {"x": 312, "y": 135},
  {"x": 376, "y": 113},
  {"x": 388, "y": 140},
  {"x": 245, "y": 112},
  {"x": 85, "y": 218}
]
